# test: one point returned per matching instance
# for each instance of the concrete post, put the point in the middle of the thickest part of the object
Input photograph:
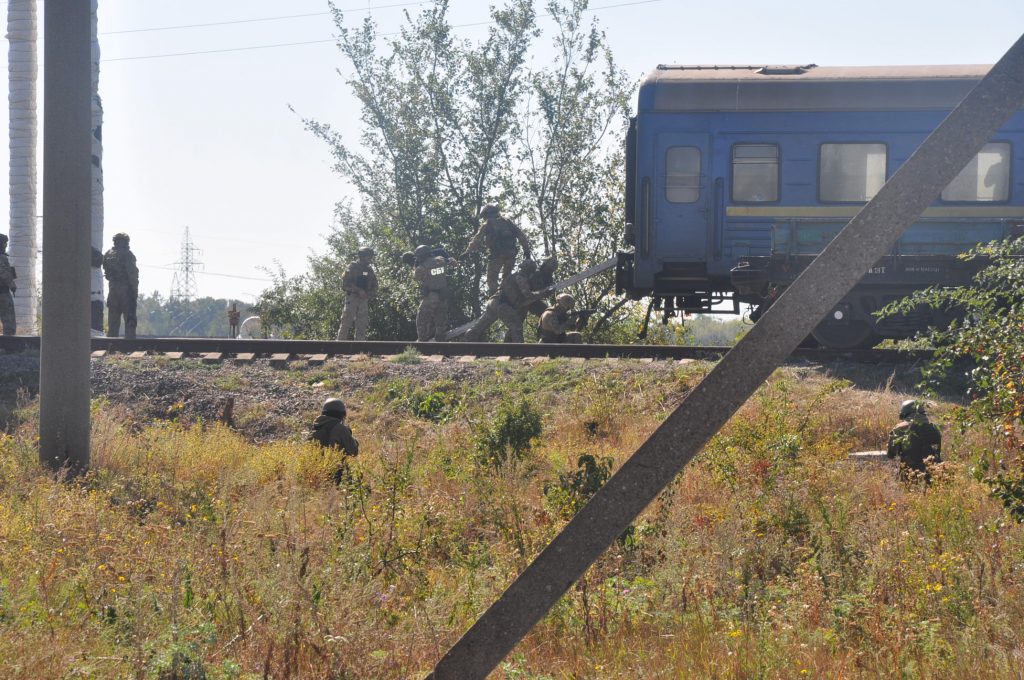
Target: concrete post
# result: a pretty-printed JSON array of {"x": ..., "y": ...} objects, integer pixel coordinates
[
  {"x": 870, "y": 235},
  {"x": 67, "y": 190}
]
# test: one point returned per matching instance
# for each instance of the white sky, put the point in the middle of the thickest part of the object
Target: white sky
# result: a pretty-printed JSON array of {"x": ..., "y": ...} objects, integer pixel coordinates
[{"x": 208, "y": 141}]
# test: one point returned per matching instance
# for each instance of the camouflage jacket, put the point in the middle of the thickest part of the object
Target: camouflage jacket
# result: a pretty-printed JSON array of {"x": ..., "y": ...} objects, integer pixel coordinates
[
  {"x": 555, "y": 323},
  {"x": 914, "y": 440},
  {"x": 432, "y": 275},
  {"x": 500, "y": 236},
  {"x": 334, "y": 434},
  {"x": 119, "y": 267},
  {"x": 359, "y": 277},
  {"x": 515, "y": 290},
  {"x": 6, "y": 272}
]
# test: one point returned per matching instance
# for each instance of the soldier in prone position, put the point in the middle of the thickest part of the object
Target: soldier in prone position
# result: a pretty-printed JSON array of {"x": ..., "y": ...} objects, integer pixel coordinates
[
  {"x": 360, "y": 285},
  {"x": 558, "y": 324},
  {"x": 432, "y": 276},
  {"x": 502, "y": 238},
  {"x": 7, "y": 289},
  {"x": 121, "y": 271},
  {"x": 330, "y": 430},
  {"x": 510, "y": 305},
  {"x": 915, "y": 442}
]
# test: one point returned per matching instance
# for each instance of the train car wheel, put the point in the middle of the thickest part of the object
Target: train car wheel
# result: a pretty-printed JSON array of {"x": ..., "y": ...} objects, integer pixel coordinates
[{"x": 850, "y": 335}]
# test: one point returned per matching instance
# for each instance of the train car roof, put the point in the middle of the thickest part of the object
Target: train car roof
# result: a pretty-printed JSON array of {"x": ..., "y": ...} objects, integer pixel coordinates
[{"x": 676, "y": 88}]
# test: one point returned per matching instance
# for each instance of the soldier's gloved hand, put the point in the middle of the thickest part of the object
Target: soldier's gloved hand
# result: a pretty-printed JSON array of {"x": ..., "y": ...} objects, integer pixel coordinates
[{"x": 13, "y": 287}]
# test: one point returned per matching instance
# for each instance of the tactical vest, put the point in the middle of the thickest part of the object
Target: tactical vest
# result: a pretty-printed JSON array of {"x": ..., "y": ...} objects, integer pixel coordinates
[
  {"x": 563, "y": 320},
  {"x": 501, "y": 235},
  {"x": 434, "y": 278},
  {"x": 511, "y": 290},
  {"x": 322, "y": 432}
]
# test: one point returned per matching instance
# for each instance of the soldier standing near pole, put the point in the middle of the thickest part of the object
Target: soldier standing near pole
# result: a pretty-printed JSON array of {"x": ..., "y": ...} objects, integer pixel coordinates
[
  {"x": 234, "y": 317},
  {"x": 502, "y": 239},
  {"x": 360, "y": 285},
  {"x": 431, "y": 274},
  {"x": 7, "y": 289},
  {"x": 122, "y": 273}
]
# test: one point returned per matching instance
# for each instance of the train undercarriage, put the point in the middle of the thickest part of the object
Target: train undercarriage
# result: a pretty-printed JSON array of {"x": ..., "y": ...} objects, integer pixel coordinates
[{"x": 756, "y": 282}]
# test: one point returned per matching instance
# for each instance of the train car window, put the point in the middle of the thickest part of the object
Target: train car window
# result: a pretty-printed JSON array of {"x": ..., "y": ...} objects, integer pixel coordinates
[
  {"x": 851, "y": 172},
  {"x": 986, "y": 177},
  {"x": 755, "y": 173},
  {"x": 682, "y": 174}
]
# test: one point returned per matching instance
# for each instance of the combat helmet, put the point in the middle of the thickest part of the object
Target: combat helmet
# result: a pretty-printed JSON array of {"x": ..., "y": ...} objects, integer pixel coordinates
[
  {"x": 911, "y": 407},
  {"x": 528, "y": 265},
  {"x": 121, "y": 237},
  {"x": 490, "y": 210},
  {"x": 422, "y": 252},
  {"x": 366, "y": 251},
  {"x": 549, "y": 263},
  {"x": 3, "y": 239},
  {"x": 565, "y": 301},
  {"x": 334, "y": 408}
]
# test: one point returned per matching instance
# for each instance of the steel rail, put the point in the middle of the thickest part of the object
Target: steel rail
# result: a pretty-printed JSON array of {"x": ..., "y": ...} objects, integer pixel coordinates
[{"x": 266, "y": 348}]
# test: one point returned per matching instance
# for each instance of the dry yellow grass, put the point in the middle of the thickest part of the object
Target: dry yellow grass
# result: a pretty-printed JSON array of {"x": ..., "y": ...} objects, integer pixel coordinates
[{"x": 190, "y": 548}]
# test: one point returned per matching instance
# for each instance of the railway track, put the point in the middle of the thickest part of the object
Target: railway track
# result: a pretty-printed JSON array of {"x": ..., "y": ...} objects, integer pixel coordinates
[{"x": 219, "y": 349}]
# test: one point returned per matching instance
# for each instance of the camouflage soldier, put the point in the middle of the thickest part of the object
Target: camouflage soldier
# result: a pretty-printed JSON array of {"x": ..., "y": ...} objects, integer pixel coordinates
[
  {"x": 120, "y": 270},
  {"x": 233, "y": 319},
  {"x": 431, "y": 274},
  {"x": 330, "y": 430},
  {"x": 7, "y": 289},
  {"x": 360, "y": 284},
  {"x": 509, "y": 305},
  {"x": 502, "y": 239},
  {"x": 914, "y": 442},
  {"x": 557, "y": 323}
]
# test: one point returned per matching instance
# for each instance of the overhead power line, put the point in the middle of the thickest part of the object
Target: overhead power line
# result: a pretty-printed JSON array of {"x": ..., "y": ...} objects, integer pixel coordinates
[
  {"x": 331, "y": 40},
  {"x": 257, "y": 19}
]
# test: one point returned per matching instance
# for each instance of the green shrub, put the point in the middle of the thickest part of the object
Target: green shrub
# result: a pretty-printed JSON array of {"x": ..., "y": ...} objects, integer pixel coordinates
[
  {"x": 511, "y": 434},
  {"x": 575, "y": 488}
]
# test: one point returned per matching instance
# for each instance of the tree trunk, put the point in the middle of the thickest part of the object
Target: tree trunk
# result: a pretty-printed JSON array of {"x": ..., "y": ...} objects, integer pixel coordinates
[{"x": 22, "y": 73}]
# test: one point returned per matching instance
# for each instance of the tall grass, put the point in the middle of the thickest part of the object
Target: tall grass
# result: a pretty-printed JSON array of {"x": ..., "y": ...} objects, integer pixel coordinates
[{"x": 189, "y": 552}]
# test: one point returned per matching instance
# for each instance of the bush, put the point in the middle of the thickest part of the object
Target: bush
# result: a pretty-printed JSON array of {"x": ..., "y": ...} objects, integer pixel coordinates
[{"x": 511, "y": 434}]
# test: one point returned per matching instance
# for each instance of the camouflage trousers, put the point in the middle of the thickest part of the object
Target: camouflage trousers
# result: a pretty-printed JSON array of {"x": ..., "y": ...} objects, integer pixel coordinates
[
  {"x": 432, "y": 318},
  {"x": 496, "y": 310},
  {"x": 121, "y": 301},
  {"x": 7, "y": 319},
  {"x": 357, "y": 314},
  {"x": 499, "y": 263}
]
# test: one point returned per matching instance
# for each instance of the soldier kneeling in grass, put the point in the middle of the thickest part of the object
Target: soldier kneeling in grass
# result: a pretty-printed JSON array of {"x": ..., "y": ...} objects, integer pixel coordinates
[
  {"x": 915, "y": 442},
  {"x": 330, "y": 430}
]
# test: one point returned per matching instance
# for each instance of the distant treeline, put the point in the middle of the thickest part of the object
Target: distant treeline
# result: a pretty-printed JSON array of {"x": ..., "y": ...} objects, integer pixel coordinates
[{"x": 204, "y": 317}]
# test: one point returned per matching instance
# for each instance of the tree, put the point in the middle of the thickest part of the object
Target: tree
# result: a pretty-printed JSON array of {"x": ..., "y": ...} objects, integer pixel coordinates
[
  {"x": 987, "y": 336},
  {"x": 449, "y": 125},
  {"x": 573, "y": 149}
]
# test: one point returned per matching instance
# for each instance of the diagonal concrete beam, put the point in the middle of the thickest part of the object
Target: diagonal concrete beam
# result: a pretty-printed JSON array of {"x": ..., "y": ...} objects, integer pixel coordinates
[{"x": 871, "y": 234}]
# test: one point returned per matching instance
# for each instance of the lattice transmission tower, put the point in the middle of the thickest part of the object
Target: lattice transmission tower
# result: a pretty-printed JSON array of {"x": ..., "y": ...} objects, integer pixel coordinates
[{"x": 183, "y": 285}]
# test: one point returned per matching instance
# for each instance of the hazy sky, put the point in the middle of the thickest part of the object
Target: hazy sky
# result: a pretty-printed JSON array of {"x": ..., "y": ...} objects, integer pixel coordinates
[{"x": 207, "y": 140}]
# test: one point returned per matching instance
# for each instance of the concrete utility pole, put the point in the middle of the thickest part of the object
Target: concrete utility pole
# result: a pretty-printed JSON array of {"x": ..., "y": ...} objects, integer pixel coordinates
[
  {"x": 869, "y": 236},
  {"x": 67, "y": 217}
]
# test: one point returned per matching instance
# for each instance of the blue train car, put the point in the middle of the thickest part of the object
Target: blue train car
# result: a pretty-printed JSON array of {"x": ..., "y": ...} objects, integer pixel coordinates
[{"x": 737, "y": 176}]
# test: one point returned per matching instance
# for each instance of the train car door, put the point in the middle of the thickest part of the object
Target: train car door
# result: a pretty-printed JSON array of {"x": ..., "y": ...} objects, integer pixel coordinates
[{"x": 682, "y": 198}]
